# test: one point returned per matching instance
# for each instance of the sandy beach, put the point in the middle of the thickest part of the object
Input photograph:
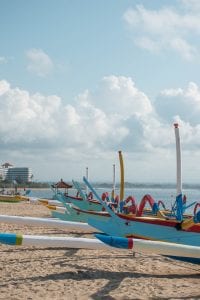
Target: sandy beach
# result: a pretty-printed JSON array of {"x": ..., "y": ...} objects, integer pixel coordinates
[{"x": 40, "y": 273}]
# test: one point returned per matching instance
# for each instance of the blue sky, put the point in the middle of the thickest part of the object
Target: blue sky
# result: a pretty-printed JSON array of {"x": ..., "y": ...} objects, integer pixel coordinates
[{"x": 80, "y": 80}]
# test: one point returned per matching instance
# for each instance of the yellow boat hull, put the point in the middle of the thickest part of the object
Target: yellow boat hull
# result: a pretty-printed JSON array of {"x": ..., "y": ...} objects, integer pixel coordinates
[{"x": 12, "y": 198}]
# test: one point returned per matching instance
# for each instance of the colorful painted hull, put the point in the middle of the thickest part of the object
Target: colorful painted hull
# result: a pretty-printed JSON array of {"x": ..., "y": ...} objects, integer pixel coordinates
[
  {"x": 78, "y": 215},
  {"x": 103, "y": 222},
  {"x": 12, "y": 198},
  {"x": 72, "y": 216},
  {"x": 149, "y": 228},
  {"x": 146, "y": 228},
  {"x": 79, "y": 202}
]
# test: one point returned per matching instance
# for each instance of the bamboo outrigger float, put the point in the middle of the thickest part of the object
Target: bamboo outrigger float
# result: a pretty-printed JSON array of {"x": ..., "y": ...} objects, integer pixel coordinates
[
  {"x": 12, "y": 198},
  {"x": 103, "y": 242}
]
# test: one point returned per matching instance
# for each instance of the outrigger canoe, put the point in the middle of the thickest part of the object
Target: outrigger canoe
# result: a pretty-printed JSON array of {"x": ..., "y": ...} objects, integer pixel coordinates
[
  {"x": 12, "y": 198},
  {"x": 150, "y": 228}
]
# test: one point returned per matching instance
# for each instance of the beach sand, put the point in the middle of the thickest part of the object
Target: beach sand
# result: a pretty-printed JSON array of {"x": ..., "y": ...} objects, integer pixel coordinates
[{"x": 40, "y": 273}]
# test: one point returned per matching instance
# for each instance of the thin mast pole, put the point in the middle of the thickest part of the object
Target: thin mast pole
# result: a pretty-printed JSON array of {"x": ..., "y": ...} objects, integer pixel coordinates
[
  {"x": 113, "y": 190},
  {"x": 178, "y": 161},
  {"x": 87, "y": 176},
  {"x": 179, "y": 199},
  {"x": 121, "y": 198}
]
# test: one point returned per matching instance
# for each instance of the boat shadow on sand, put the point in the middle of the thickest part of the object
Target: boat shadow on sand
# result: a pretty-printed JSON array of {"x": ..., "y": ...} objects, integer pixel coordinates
[
  {"x": 78, "y": 272},
  {"x": 114, "y": 279}
]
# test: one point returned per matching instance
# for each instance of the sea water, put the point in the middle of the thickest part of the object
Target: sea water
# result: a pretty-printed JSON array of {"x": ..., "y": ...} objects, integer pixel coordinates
[{"x": 167, "y": 195}]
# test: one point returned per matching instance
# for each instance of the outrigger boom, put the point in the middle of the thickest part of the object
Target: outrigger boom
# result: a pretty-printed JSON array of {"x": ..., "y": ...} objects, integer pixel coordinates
[{"x": 103, "y": 242}]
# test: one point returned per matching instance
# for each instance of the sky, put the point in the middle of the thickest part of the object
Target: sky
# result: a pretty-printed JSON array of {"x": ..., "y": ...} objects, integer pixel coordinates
[{"x": 81, "y": 80}]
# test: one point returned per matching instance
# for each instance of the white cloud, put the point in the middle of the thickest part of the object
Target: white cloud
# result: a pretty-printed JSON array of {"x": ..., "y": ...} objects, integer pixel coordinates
[
  {"x": 99, "y": 121},
  {"x": 4, "y": 87},
  {"x": 184, "y": 103},
  {"x": 116, "y": 115},
  {"x": 165, "y": 28},
  {"x": 181, "y": 46},
  {"x": 39, "y": 62},
  {"x": 118, "y": 95},
  {"x": 193, "y": 5},
  {"x": 148, "y": 44},
  {"x": 39, "y": 121}
]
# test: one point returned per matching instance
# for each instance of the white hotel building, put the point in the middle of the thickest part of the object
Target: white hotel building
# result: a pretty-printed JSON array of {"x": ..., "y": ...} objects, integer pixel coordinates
[{"x": 19, "y": 174}]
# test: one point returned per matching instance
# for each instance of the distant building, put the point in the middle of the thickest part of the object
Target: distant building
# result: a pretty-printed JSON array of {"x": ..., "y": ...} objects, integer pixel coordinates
[
  {"x": 7, "y": 165},
  {"x": 15, "y": 174},
  {"x": 4, "y": 170}
]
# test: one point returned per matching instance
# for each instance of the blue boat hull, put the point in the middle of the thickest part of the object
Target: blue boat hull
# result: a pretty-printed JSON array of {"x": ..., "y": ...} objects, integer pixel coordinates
[
  {"x": 68, "y": 217},
  {"x": 82, "y": 204},
  {"x": 77, "y": 215},
  {"x": 116, "y": 226}
]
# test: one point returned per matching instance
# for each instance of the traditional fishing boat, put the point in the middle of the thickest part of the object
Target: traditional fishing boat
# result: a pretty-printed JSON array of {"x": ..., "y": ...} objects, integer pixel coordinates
[
  {"x": 81, "y": 210},
  {"x": 176, "y": 228},
  {"x": 81, "y": 202},
  {"x": 173, "y": 235},
  {"x": 128, "y": 208},
  {"x": 70, "y": 213},
  {"x": 150, "y": 228},
  {"x": 83, "y": 199},
  {"x": 12, "y": 198}
]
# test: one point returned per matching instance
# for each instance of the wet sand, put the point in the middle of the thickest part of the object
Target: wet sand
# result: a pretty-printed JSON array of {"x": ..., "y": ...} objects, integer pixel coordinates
[{"x": 44, "y": 273}]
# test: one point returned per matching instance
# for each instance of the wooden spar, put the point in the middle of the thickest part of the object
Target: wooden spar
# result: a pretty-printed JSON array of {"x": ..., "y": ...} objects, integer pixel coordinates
[
  {"x": 178, "y": 161},
  {"x": 103, "y": 242},
  {"x": 167, "y": 248},
  {"x": 113, "y": 190},
  {"x": 45, "y": 201},
  {"x": 179, "y": 199},
  {"x": 121, "y": 197},
  {"x": 47, "y": 241},
  {"x": 149, "y": 246},
  {"x": 44, "y": 222},
  {"x": 107, "y": 208},
  {"x": 57, "y": 208},
  {"x": 51, "y": 202},
  {"x": 77, "y": 186}
]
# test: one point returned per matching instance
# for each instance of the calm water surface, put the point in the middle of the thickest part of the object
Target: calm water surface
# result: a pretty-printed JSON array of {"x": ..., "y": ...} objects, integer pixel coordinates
[{"x": 165, "y": 194}]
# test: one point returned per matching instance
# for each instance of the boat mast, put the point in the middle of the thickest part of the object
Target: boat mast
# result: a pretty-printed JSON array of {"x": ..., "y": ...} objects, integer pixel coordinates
[
  {"x": 178, "y": 161},
  {"x": 113, "y": 190},
  {"x": 121, "y": 197},
  {"x": 179, "y": 199},
  {"x": 87, "y": 176}
]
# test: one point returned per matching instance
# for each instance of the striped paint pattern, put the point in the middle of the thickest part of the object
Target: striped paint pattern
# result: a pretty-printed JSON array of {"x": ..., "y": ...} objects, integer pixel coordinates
[{"x": 11, "y": 238}]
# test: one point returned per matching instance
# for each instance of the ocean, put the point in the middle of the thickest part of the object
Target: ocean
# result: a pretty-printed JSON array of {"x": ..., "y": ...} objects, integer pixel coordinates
[{"x": 168, "y": 195}]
